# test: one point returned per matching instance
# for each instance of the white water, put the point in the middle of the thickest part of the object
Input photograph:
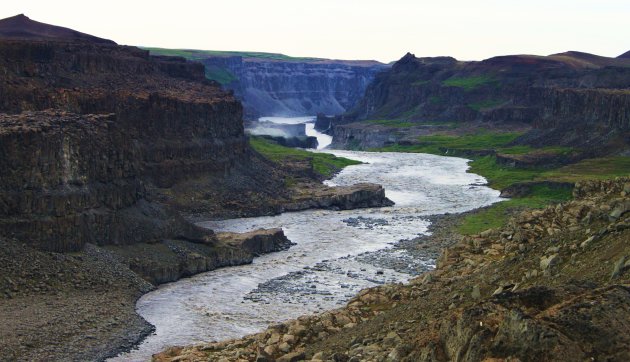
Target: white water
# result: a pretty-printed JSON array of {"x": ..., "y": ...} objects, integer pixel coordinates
[
  {"x": 331, "y": 262},
  {"x": 323, "y": 140}
]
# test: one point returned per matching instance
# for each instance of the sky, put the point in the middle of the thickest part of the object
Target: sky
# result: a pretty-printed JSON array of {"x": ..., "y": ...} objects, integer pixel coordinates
[{"x": 383, "y": 30}]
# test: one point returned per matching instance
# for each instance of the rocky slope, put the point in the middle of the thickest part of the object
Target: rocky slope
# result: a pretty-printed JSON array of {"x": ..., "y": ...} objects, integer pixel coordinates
[
  {"x": 276, "y": 85},
  {"x": 554, "y": 284}
]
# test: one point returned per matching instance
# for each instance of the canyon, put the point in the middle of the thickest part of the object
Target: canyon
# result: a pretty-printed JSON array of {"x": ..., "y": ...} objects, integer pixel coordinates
[
  {"x": 122, "y": 166},
  {"x": 278, "y": 85}
]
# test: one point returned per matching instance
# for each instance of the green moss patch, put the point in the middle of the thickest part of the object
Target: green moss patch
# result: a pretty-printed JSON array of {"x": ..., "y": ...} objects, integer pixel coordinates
[
  {"x": 468, "y": 83},
  {"x": 438, "y": 144},
  {"x": 221, "y": 75},
  {"x": 392, "y": 123},
  {"x": 500, "y": 176},
  {"x": 590, "y": 169},
  {"x": 196, "y": 54},
  {"x": 486, "y": 104},
  {"x": 497, "y": 215},
  {"x": 324, "y": 164}
]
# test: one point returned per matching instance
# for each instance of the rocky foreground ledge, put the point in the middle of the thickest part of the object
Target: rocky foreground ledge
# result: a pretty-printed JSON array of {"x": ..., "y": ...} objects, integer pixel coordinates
[
  {"x": 92, "y": 293},
  {"x": 554, "y": 284}
]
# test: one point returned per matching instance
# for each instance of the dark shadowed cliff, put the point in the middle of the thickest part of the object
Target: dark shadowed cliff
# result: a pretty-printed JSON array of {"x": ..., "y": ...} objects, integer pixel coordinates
[
  {"x": 116, "y": 121},
  {"x": 573, "y": 98}
]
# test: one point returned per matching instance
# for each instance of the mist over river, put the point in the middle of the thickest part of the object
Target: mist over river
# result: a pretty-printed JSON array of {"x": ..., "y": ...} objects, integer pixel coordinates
[{"x": 337, "y": 253}]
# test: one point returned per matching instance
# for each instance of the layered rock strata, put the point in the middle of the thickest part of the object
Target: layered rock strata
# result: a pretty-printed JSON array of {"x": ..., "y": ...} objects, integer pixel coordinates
[
  {"x": 276, "y": 84},
  {"x": 573, "y": 99}
]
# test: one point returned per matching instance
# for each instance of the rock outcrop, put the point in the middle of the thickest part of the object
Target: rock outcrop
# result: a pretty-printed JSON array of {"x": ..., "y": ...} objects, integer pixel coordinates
[
  {"x": 360, "y": 195},
  {"x": 551, "y": 285},
  {"x": 169, "y": 260}
]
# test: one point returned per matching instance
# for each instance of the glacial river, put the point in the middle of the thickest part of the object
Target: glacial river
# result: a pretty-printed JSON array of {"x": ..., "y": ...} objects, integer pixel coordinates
[{"x": 337, "y": 253}]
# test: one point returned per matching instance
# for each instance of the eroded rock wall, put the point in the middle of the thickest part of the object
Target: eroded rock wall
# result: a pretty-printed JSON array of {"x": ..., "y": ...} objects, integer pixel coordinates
[
  {"x": 296, "y": 88},
  {"x": 88, "y": 130}
]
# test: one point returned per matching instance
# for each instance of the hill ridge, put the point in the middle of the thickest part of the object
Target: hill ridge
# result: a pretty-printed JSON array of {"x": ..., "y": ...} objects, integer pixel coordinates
[{"x": 21, "y": 27}]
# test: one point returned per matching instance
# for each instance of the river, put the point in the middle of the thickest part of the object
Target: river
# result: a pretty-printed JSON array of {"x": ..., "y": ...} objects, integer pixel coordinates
[{"x": 337, "y": 253}]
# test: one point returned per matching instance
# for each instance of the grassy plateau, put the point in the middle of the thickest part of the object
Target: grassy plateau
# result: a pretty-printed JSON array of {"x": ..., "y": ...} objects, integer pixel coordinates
[{"x": 324, "y": 164}]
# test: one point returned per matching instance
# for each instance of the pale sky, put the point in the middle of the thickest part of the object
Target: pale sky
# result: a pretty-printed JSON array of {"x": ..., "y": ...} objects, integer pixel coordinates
[{"x": 349, "y": 29}]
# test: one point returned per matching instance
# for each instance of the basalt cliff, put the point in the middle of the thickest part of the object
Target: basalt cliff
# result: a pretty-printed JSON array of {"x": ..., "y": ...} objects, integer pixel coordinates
[
  {"x": 573, "y": 99},
  {"x": 278, "y": 85}
]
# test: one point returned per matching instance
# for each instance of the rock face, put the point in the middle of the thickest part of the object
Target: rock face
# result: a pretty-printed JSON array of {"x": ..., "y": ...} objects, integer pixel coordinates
[
  {"x": 294, "y": 89},
  {"x": 360, "y": 136},
  {"x": 290, "y": 86},
  {"x": 582, "y": 96},
  {"x": 122, "y": 122},
  {"x": 258, "y": 242},
  {"x": 169, "y": 260}
]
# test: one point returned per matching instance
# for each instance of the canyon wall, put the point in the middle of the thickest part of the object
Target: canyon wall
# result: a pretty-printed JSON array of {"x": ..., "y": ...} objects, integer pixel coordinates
[
  {"x": 606, "y": 107},
  {"x": 88, "y": 130},
  {"x": 507, "y": 88},
  {"x": 289, "y": 86},
  {"x": 566, "y": 98}
]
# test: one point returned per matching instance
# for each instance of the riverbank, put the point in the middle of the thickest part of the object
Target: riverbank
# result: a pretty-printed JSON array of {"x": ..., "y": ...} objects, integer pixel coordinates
[
  {"x": 292, "y": 182},
  {"x": 87, "y": 298},
  {"x": 531, "y": 176},
  {"x": 338, "y": 253},
  {"x": 561, "y": 271}
]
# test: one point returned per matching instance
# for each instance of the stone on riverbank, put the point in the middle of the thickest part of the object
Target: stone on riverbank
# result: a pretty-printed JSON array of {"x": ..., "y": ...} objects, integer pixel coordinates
[{"x": 579, "y": 310}]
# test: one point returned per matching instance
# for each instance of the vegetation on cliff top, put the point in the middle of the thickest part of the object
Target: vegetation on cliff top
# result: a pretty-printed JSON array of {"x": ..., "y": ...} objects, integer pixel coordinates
[
  {"x": 439, "y": 144},
  {"x": 324, "y": 164},
  {"x": 195, "y": 54},
  {"x": 468, "y": 83}
]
